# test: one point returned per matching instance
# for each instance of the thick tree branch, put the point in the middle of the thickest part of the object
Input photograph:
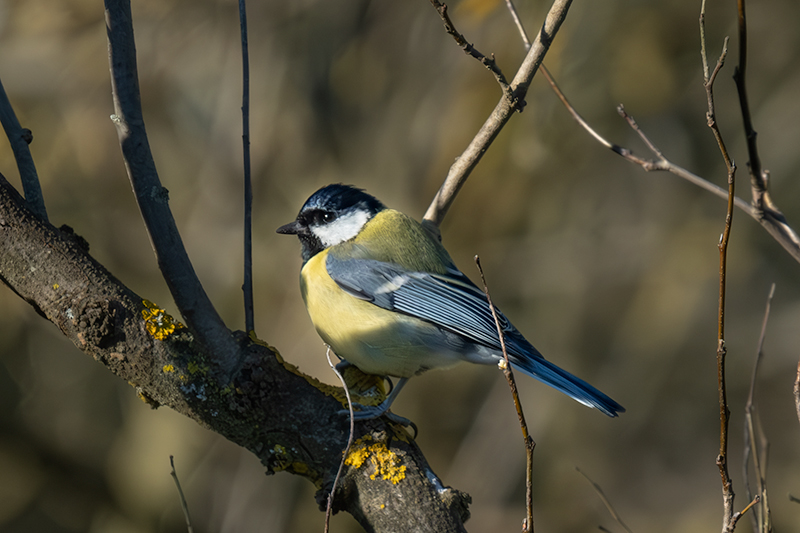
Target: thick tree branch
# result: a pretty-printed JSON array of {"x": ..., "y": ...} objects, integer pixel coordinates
[
  {"x": 153, "y": 199},
  {"x": 468, "y": 160},
  {"x": 290, "y": 421}
]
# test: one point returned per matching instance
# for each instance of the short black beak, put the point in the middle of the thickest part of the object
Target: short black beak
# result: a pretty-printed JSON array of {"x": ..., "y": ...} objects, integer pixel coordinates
[{"x": 292, "y": 228}]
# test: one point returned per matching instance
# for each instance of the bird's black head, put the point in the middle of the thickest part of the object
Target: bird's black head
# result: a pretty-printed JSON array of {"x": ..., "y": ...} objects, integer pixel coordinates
[{"x": 332, "y": 215}]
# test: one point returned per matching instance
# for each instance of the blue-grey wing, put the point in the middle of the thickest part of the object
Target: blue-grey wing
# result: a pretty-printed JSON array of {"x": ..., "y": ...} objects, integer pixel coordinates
[
  {"x": 450, "y": 301},
  {"x": 453, "y": 303}
]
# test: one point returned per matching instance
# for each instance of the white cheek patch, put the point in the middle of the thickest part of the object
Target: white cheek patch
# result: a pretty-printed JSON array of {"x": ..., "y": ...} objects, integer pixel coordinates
[{"x": 342, "y": 229}]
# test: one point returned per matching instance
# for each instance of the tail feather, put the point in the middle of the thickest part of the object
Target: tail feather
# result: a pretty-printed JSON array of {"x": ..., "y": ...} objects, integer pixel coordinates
[{"x": 563, "y": 381}]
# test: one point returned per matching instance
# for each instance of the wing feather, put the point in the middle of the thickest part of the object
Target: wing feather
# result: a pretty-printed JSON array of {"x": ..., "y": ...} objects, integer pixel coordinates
[
  {"x": 450, "y": 301},
  {"x": 453, "y": 303}
]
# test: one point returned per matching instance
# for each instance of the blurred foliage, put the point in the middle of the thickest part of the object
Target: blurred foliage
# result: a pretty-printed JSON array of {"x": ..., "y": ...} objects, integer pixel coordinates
[{"x": 610, "y": 271}]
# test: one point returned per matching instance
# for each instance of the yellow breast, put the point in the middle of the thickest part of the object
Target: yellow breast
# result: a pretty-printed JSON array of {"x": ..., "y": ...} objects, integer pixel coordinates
[{"x": 376, "y": 340}]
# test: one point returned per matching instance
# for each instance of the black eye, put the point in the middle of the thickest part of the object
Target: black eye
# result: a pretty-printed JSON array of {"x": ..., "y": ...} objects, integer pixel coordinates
[{"x": 328, "y": 217}]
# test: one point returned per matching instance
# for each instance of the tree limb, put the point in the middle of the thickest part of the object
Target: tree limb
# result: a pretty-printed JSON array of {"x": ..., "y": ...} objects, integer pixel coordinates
[
  {"x": 468, "y": 160},
  {"x": 153, "y": 199},
  {"x": 288, "y": 420}
]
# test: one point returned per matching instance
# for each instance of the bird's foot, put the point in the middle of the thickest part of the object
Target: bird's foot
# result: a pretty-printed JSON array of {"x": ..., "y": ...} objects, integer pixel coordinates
[{"x": 367, "y": 412}]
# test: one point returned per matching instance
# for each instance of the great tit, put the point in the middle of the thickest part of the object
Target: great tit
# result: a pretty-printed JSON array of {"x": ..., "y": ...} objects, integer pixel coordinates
[{"x": 384, "y": 294}]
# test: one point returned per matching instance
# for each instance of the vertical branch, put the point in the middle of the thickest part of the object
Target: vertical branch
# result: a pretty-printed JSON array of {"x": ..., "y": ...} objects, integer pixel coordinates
[
  {"x": 757, "y": 176},
  {"x": 728, "y": 522},
  {"x": 757, "y": 449},
  {"x": 346, "y": 451},
  {"x": 20, "y": 138},
  {"x": 194, "y": 304},
  {"x": 796, "y": 390},
  {"x": 767, "y": 213},
  {"x": 724, "y": 412},
  {"x": 530, "y": 444},
  {"x": 247, "y": 285}
]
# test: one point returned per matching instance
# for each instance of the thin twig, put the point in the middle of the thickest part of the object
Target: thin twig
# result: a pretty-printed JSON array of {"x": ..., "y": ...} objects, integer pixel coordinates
[
  {"x": 466, "y": 162},
  {"x": 758, "y": 451},
  {"x": 349, "y": 439},
  {"x": 741, "y": 513},
  {"x": 728, "y": 495},
  {"x": 247, "y": 285},
  {"x": 184, "y": 505},
  {"x": 771, "y": 220},
  {"x": 153, "y": 199},
  {"x": 518, "y": 23},
  {"x": 758, "y": 180},
  {"x": 470, "y": 50},
  {"x": 19, "y": 138},
  {"x": 599, "y": 490},
  {"x": 530, "y": 444},
  {"x": 797, "y": 391},
  {"x": 763, "y": 205}
]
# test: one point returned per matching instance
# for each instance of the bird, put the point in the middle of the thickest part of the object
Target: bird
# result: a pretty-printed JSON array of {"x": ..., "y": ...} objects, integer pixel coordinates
[{"x": 385, "y": 296}]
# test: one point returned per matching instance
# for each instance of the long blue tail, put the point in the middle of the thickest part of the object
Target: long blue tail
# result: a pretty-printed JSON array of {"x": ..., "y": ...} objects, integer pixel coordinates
[{"x": 561, "y": 380}]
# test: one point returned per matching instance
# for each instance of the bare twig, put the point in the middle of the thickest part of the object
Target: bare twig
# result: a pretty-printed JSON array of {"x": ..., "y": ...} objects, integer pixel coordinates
[
  {"x": 765, "y": 209},
  {"x": 797, "y": 391},
  {"x": 763, "y": 205},
  {"x": 153, "y": 199},
  {"x": 530, "y": 444},
  {"x": 775, "y": 224},
  {"x": 518, "y": 23},
  {"x": 461, "y": 169},
  {"x": 329, "y": 506},
  {"x": 470, "y": 50},
  {"x": 758, "y": 450},
  {"x": 741, "y": 513},
  {"x": 20, "y": 138},
  {"x": 599, "y": 490},
  {"x": 247, "y": 285},
  {"x": 758, "y": 177},
  {"x": 728, "y": 522},
  {"x": 184, "y": 505}
]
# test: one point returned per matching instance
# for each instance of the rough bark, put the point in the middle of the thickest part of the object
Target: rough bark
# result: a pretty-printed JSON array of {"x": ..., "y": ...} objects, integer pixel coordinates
[{"x": 289, "y": 420}]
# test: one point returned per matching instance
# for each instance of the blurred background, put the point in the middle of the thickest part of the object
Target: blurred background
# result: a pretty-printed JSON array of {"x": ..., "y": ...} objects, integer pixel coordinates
[{"x": 610, "y": 271}]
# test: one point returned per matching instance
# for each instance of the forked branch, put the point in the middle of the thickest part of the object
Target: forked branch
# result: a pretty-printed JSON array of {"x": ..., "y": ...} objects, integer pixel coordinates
[
  {"x": 728, "y": 519},
  {"x": 153, "y": 199},
  {"x": 468, "y": 160}
]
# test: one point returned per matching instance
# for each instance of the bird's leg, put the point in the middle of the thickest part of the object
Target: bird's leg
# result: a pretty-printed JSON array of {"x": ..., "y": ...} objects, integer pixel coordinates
[{"x": 372, "y": 412}]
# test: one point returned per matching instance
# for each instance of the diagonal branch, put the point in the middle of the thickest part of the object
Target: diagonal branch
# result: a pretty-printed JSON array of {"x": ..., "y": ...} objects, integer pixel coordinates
[
  {"x": 468, "y": 160},
  {"x": 470, "y": 50},
  {"x": 779, "y": 229},
  {"x": 153, "y": 199}
]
